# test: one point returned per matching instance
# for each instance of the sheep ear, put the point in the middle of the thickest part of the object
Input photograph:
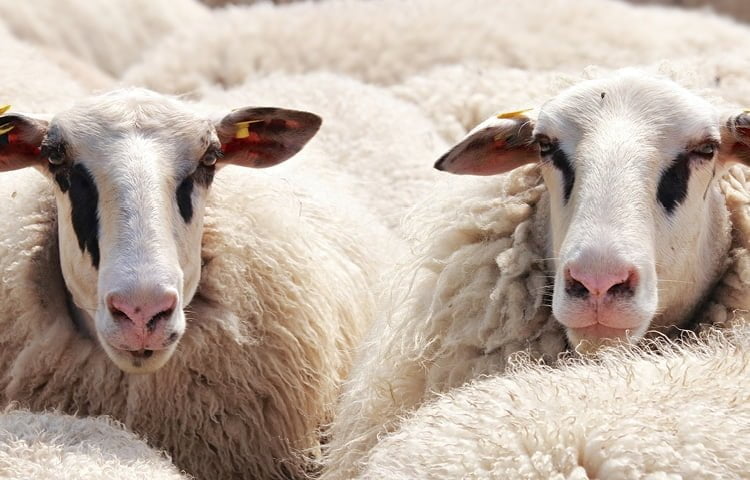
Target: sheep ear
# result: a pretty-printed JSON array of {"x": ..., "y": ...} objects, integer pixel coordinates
[
  {"x": 498, "y": 145},
  {"x": 263, "y": 137},
  {"x": 735, "y": 139},
  {"x": 20, "y": 140}
]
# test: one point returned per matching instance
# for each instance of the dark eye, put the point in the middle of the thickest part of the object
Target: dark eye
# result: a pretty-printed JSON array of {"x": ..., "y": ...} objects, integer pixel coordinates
[
  {"x": 705, "y": 150},
  {"x": 545, "y": 145}
]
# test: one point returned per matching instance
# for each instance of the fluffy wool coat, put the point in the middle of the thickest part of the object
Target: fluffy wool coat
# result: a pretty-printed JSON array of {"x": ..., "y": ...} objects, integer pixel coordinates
[
  {"x": 283, "y": 297},
  {"x": 682, "y": 413},
  {"x": 52, "y": 446},
  {"x": 477, "y": 296}
]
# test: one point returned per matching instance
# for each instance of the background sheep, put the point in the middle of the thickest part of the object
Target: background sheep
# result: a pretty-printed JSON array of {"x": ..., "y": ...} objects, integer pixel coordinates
[
  {"x": 288, "y": 270},
  {"x": 386, "y": 42},
  {"x": 46, "y": 446},
  {"x": 479, "y": 289},
  {"x": 110, "y": 36},
  {"x": 681, "y": 413}
]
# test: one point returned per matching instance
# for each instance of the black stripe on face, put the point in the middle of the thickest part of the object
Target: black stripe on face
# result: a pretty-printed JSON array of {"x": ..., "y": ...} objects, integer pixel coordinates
[
  {"x": 84, "y": 200},
  {"x": 185, "y": 199},
  {"x": 674, "y": 183},
  {"x": 561, "y": 162}
]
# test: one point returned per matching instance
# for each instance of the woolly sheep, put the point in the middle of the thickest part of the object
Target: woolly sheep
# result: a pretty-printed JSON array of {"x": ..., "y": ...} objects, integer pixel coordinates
[
  {"x": 481, "y": 287},
  {"x": 245, "y": 318},
  {"x": 109, "y": 35},
  {"x": 49, "y": 445},
  {"x": 387, "y": 41},
  {"x": 681, "y": 413}
]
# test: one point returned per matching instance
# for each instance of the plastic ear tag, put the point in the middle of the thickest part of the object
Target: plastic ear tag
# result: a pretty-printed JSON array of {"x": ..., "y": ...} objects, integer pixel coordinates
[
  {"x": 6, "y": 128},
  {"x": 243, "y": 130},
  {"x": 4, "y": 109},
  {"x": 515, "y": 114}
]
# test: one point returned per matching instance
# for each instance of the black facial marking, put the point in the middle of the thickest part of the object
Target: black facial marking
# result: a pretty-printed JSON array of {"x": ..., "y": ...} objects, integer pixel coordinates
[
  {"x": 603, "y": 94},
  {"x": 561, "y": 162},
  {"x": 84, "y": 199},
  {"x": 185, "y": 199},
  {"x": 674, "y": 183}
]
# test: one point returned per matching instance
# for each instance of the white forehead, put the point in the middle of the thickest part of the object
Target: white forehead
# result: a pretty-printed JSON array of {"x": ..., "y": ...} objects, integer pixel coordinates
[
  {"x": 654, "y": 110},
  {"x": 98, "y": 127}
]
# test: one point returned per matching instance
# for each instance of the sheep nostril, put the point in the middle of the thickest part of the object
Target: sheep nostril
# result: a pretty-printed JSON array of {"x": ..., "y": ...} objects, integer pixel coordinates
[
  {"x": 575, "y": 289},
  {"x": 163, "y": 315},
  {"x": 625, "y": 288}
]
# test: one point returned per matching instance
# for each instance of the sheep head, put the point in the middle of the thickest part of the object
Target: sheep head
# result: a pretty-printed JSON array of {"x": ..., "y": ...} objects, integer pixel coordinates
[
  {"x": 131, "y": 172},
  {"x": 638, "y": 228}
]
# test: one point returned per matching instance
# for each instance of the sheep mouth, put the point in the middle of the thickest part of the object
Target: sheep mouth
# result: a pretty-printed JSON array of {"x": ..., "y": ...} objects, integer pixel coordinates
[{"x": 139, "y": 361}]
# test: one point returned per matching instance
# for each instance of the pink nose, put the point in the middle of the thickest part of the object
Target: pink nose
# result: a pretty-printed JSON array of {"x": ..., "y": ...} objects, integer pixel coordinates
[
  {"x": 621, "y": 280},
  {"x": 143, "y": 312}
]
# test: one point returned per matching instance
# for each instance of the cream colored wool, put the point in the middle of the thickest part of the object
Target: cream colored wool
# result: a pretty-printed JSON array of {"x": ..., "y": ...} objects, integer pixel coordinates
[
  {"x": 108, "y": 35},
  {"x": 387, "y": 41},
  {"x": 285, "y": 291},
  {"x": 52, "y": 446},
  {"x": 683, "y": 413},
  {"x": 475, "y": 297},
  {"x": 31, "y": 81}
]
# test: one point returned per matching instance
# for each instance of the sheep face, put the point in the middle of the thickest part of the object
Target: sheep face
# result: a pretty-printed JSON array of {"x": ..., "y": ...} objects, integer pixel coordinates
[
  {"x": 131, "y": 172},
  {"x": 638, "y": 226}
]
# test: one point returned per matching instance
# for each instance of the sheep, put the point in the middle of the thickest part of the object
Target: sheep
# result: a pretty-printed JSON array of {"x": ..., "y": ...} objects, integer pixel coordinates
[
  {"x": 50, "y": 445},
  {"x": 121, "y": 31},
  {"x": 221, "y": 338},
  {"x": 681, "y": 413},
  {"x": 386, "y": 42},
  {"x": 521, "y": 261}
]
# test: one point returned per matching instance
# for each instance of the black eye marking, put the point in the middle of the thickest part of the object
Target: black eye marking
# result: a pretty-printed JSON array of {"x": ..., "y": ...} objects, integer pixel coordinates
[
  {"x": 185, "y": 200},
  {"x": 84, "y": 199},
  {"x": 202, "y": 176},
  {"x": 674, "y": 183},
  {"x": 551, "y": 152}
]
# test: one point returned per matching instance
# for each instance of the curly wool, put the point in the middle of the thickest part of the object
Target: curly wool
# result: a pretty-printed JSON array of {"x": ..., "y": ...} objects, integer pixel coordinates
[
  {"x": 479, "y": 296},
  {"x": 52, "y": 446},
  {"x": 284, "y": 294},
  {"x": 682, "y": 413}
]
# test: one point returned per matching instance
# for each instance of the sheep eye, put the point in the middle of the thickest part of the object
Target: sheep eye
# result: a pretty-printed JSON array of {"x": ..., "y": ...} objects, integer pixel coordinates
[
  {"x": 705, "y": 150},
  {"x": 545, "y": 145},
  {"x": 212, "y": 155}
]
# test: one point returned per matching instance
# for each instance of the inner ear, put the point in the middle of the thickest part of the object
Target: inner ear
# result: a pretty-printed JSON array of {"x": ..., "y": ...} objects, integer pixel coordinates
[
  {"x": 504, "y": 144},
  {"x": 21, "y": 138},
  {"x": 265, "y": 136}
]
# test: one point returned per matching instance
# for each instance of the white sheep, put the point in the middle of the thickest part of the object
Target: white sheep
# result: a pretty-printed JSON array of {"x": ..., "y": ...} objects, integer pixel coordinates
[
  {"x": 111, "y": 36},
  {"x": 50, "y": 445},
  {"x": 387, "y": 41},
  {"x": 221, "y": 339},
  {"x": 681, "y": 413},
  {"x": 603, "y": 227}
]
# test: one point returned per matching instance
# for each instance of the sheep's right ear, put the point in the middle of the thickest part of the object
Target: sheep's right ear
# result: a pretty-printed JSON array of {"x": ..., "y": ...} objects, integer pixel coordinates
[
  {"x": 500, "y": 144},
  {"x": 261, "y": 137},
  {"x": 20, "y": 140}
]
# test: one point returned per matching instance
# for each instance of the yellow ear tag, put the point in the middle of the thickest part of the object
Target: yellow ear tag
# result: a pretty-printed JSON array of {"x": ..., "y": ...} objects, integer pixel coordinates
[
  {"x": 4, "y": 109},
  {"x": 6, "y": 128},
  {"x": 243, "y": 130},
  {"x": 516, "y": 114}
]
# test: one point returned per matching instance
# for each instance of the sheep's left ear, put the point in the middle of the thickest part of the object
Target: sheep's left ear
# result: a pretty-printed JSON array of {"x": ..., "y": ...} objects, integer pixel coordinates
[
  {"x": 263, "y": 137},
  {"x": 497, "y": 145},
  {"x": 735, "y": 139}
]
